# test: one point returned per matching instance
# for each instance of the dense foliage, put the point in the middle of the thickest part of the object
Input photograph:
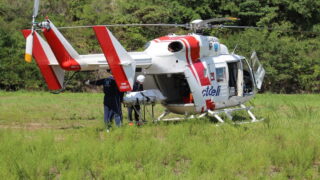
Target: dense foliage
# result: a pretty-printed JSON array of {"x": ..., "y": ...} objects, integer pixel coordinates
[{"x": 292, "y": 59}]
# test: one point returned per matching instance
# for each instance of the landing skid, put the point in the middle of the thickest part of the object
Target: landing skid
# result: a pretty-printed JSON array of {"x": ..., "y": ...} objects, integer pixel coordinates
[
  {"x": 216, "y": 114},
  {"x": 166, "y": 112}
]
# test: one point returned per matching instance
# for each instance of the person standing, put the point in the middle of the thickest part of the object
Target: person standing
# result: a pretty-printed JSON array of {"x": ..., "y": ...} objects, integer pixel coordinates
[
  {"x": 112, "y": 100},
  {"x": 137, "y": 86}
]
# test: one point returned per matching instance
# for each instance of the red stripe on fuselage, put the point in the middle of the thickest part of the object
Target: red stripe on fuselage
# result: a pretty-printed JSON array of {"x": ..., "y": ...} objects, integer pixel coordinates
[
  {"x": 64, "y": 58},
  {"x": 112, "y": 57},
  {"x": 204, "y": 80},
  {"x": 43, "y": 62},
  {"x": 170, "y": 38},
  {"x": 196, "y": 62},
  {"x": 187, "y": 57},
  {"x": 194, "y": 47}
]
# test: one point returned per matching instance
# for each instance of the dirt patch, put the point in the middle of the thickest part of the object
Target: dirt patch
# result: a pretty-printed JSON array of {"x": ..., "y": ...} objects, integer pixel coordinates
[
  {"x": 37, "y": 126},
  {"x": 28, "y": 126},
  {"x": 274, "y": 170},
  {"x": 181, "y": 166}
]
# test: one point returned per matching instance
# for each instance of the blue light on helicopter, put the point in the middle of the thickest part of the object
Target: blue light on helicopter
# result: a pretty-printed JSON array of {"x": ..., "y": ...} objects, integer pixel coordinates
[{"x": 216, "y": 47}]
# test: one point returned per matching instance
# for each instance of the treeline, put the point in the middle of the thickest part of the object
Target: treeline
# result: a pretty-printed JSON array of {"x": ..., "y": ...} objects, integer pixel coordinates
[{"x": 290, "y": 52}]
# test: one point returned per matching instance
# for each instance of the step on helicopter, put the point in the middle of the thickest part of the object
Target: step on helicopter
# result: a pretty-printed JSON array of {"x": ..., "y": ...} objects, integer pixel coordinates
[{"x": 193, "y": 74}]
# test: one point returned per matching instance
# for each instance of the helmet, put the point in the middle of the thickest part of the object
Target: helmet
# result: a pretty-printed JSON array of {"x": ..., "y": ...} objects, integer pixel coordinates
[{"x": 141, "y": 78}]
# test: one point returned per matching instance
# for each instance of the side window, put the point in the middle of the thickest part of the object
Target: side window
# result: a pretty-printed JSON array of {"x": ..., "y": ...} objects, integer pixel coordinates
[{"x": 221, "y": 74}]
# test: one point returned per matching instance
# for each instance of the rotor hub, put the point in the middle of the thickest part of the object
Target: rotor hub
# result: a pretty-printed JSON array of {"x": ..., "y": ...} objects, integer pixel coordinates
[{"x": 44, "y": 24}]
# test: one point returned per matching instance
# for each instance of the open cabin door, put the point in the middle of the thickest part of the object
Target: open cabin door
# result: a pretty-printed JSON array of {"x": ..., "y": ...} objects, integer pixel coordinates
[
  {"x": 196, "y": 90},
  {"x": 257, "y": 70}
]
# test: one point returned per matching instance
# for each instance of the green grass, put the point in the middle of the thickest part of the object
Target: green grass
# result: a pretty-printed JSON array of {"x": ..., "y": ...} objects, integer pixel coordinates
[{"x": 46, "y": 136}]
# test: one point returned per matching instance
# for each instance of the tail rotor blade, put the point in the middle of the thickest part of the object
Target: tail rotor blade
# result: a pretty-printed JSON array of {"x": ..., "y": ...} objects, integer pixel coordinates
[
  {"x": 29, "y": 41},
  {"x": 36, "y": 8},
  {"x": 29, "y": 47}
]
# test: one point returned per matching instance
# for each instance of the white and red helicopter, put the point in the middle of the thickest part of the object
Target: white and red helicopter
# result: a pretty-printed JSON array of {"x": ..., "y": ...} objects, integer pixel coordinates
[{"x": 195, "y": 73}]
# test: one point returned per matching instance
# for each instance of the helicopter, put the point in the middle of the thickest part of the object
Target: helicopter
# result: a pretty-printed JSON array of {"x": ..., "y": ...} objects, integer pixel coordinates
[{"x": 195, "y": 73}]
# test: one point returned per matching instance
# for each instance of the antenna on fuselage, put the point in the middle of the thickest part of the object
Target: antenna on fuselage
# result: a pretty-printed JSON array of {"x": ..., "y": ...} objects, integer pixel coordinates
[{"x": 235, "y": 48}]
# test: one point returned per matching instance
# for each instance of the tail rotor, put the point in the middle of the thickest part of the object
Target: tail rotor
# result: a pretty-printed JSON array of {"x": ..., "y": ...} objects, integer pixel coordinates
[{"x": 29, "y": 39}]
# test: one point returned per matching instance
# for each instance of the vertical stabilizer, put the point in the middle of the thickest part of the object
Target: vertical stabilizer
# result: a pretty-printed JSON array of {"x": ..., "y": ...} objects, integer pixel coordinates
[
  {"x": 46, "y": 61},
  {"x": 120, "y": 62}
]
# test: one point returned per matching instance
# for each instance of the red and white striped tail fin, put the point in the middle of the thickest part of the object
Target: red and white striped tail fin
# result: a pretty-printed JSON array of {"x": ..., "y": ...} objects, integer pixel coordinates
[
  {"x": 120, "y": 62},
  {"x": 51, "y": 71},
  {"x": 66, "y": 55}
]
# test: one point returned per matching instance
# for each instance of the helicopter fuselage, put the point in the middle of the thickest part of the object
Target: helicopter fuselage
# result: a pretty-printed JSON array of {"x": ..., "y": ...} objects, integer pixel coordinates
[{"x": 196, "y": 73}]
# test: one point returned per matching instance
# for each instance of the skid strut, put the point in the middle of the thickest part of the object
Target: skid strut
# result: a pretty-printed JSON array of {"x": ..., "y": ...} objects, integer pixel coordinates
[
  {"x": 228, "y": 112},
  {"x": 166, "y": 112},
  {"x": 215, "y": 114}
]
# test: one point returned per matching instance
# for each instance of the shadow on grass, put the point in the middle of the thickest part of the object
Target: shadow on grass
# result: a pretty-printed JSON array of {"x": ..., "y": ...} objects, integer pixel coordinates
[{"x": 71, "y": 127}]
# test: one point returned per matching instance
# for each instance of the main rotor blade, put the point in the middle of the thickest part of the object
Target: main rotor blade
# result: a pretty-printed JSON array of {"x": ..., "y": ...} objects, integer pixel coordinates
[
  {"x": 126, "y": 25},
  {"x": 238, "y": 27},
  {"x": 36, "y": 8},
  {"x": 219, "y": 20},
  {"x": 188, "y": 26},
  {"x": 261, "y": 28}
]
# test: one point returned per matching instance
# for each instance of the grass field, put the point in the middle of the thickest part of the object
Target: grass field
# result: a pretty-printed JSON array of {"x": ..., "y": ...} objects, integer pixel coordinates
[{"x": 46, "y": 136}]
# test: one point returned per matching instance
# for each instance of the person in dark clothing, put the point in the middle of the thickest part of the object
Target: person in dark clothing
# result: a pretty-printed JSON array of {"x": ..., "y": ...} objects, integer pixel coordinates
[
  {"x": 137, "y": 86},
  {"x": 112, "y": 100}
]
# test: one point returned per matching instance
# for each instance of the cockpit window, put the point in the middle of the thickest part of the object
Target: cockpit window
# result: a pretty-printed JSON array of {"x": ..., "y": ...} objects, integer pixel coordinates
[{"x": 175, "y": 46}]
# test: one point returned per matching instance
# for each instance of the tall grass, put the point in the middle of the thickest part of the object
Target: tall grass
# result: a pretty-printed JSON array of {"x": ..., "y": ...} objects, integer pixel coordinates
[{"x": 45, "y": 136}]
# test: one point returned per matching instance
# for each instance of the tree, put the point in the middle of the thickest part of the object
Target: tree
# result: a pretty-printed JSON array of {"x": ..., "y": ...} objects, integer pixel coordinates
[{"x": 290, "y": 58}]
